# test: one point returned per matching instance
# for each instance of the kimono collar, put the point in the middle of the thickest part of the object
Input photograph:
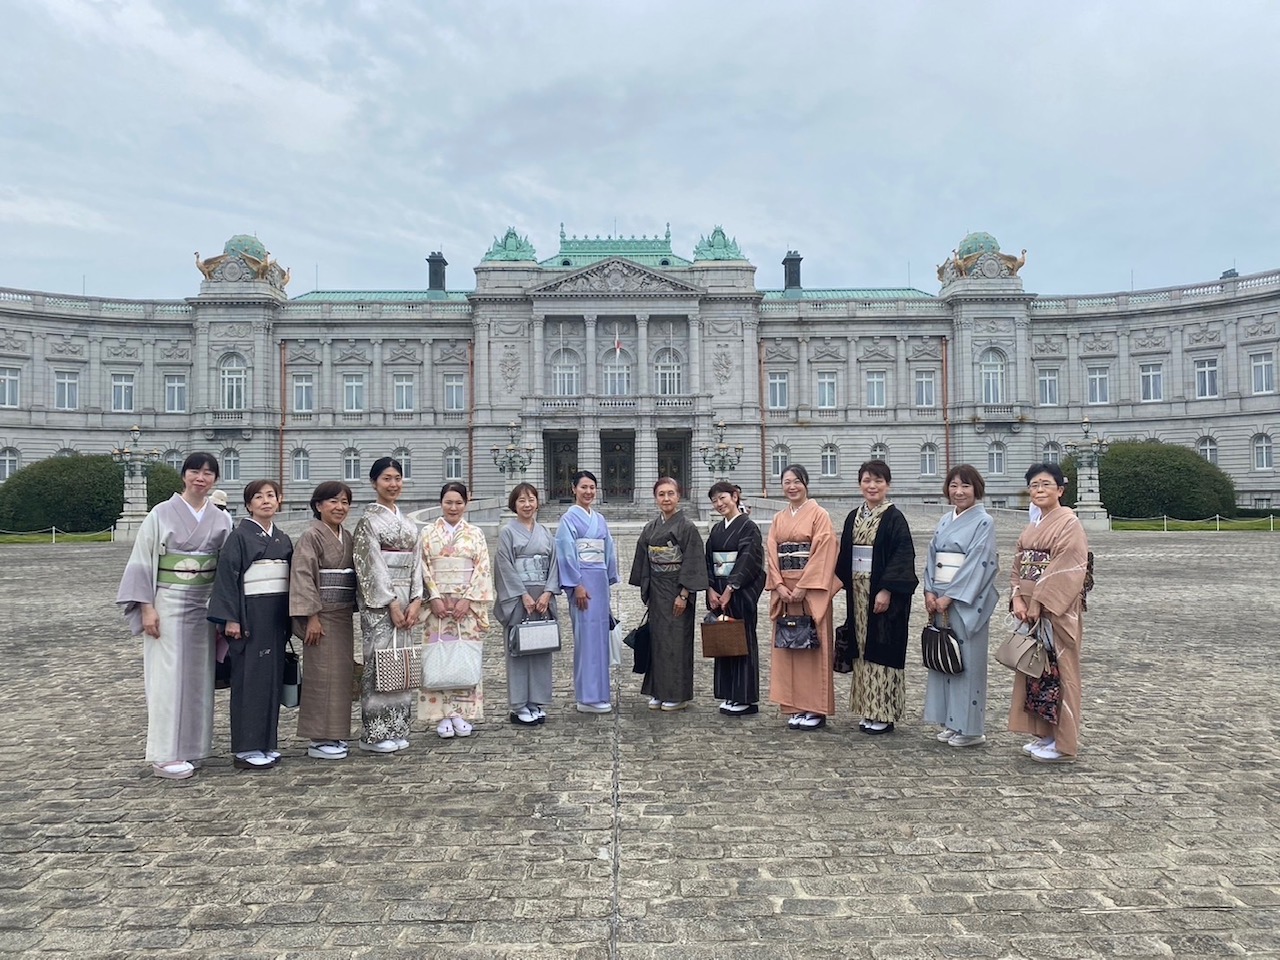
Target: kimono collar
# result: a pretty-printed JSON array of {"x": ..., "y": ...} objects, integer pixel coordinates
[
  {"x": 198, "y": 514},
  {"x": 266, "y": 530}
]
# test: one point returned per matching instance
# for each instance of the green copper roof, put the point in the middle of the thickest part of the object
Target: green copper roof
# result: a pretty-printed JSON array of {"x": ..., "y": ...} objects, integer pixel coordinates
[
  {"x": 978, "y": 243},
  {"x": 717, "y": 247},
  {"x": 870, "y": 293},
  {"x": 652, "y": 251},
  {"x": 378, "y": 296},
  {"x": 243, "y": 243},
  {"x": 512, "y": 246}
]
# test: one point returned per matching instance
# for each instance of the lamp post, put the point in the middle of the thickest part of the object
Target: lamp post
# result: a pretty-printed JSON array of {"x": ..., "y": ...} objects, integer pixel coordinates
[
  {"x": 719, "y": 457},
  {"x": 1087, "y": 453},
  {"x": 514, "y": 457},
  {"x": 135, "y": 460}
]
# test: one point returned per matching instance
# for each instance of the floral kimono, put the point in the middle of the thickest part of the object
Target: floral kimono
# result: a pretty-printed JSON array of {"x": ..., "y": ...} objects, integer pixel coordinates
[{"x": 455, "y": 564}]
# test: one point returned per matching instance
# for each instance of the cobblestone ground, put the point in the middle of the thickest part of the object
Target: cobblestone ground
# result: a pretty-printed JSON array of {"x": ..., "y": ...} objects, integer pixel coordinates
[{"x": 640, "y": 834}]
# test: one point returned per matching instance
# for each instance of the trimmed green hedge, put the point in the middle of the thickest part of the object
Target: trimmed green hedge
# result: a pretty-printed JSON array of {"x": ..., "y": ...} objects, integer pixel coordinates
[{"x": 81, "y": 494}]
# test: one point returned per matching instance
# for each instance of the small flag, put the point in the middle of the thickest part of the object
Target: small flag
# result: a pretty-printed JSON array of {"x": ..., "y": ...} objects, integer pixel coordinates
[{"x": 617, "y": 344}]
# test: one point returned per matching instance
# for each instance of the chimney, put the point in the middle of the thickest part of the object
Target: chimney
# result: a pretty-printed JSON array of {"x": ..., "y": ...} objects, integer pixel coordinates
[
  {"x": 791, "y": 273},
  {"x": 435, "y": 275}
]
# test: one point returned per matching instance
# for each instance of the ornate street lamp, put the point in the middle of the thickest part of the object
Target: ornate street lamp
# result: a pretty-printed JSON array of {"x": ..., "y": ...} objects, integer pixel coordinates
[
  {"x": 135, "y": 460},
  {"x": 1087, "y": 453},
  {"x": 720, "y": 458},
  {"x": 513, "y": 458}
]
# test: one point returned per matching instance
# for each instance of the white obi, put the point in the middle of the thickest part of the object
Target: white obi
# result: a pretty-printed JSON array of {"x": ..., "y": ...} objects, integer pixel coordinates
[
  {"x": 722, "y": 563},
  {"x": 590, "y": 551},
  {"x": 532, "y": 570},
  {"x": 265, "y": 577},
  {"x": 946, "y": 566},
  {"x": 861, "y": 559},
  {"x": 452, "y": 575}
]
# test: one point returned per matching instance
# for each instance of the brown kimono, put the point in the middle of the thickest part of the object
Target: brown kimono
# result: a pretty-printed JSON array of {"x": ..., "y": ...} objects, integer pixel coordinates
[{"x": 322, "y": 581}]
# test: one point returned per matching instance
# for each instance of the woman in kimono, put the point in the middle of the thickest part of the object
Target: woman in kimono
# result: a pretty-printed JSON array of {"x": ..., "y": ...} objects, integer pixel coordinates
[
  {"x": 800, "y": 559},
  {"x": 669, "y": 568},
  {"x": 735, "y": 572},
  {"x": 1048, "y": 581},
  {"x": 164, "y": 595},
  {"x": 527, "y": 580},
  {"x": 588, "y": 562},
  {"x": 877, "y": 566},
  {"x": 322, "y": 600},
  {"x": 250, "y": 602},
  {"x": 960, "y": 584},
  {"x": 459, "y": 589},
  {"x": 389, "y": 576}
]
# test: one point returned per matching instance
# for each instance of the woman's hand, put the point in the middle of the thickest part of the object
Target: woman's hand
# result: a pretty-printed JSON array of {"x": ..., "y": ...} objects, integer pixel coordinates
[
  {"x": 413, "y": 614},
  {"x": 461, "y": 608},
  {"x": 1033, "y": 610},
  {"x": 232, "y": 630},
  {"x": 943, "y": 604},
  {"x": 713, "y": 599},
  {"x": 784, "y": 593},
  {"x": 882, "y": 601},
  {"x": 581, "y": 598},
  {"x": 544, "y": 603},
  {"x": 314, "y": 633},
  {"x": 725, "y": 598},
  {"x": 397, "y": 615},
  {"x": 930, "y": 603},
  {"x": 798, "y": 595},
  {"x": 680, "y": 606},
  {"x": 438, "y": 609},
  {"x": 150, "y": 621},
  {"x": 529, "y": 605},
  {"x": 1019, "y": 608}
]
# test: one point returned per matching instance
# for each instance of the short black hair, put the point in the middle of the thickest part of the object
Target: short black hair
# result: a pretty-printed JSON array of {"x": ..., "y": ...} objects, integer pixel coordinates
[
  {"x": 383, "y": 464},
  {"x": 1052, "y": 469},
  {"x": 327, "y": 491},
  {"x": 877, "y": 468},
  {"x": 520, "y": 489},
  {"x": 455, "y": 486},
  {"x": 199, "y": 460},
  {"x": 968, "y": 474},
  {"x": 724, "y": 486},
  {"x": 253, "y": 486}
]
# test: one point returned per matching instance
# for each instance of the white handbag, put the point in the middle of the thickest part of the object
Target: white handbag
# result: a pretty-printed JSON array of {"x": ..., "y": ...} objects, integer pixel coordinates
[
  {"x": 452, "y": 664},
  {"x": 534, "y": 636}
]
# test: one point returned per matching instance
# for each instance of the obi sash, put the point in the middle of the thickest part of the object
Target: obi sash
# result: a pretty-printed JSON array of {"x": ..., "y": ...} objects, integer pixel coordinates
[
  {"x": 186, "y": 569},
  {"x": 1032, "y": 564},
  {"x": 533, "y": 570},
  {"x": 452, "y": 575},
  {"x": 337, "y": 587},
  {"x": 590, "y": 551},
  {"x": 793, "y": 556},
  {"x": 666, "y": 558},
  {"x": 947, "y": 566},
  {"x": 723, "y": 562},
  {"x": 399, "y": 563},
  {"x": 266, "y": 577},
  {"x": 861, "y": 559}
]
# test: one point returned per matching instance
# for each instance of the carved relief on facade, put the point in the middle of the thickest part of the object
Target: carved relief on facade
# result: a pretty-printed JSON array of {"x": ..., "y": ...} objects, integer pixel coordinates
[
  {"x": 1048, "y": 347},
  {"x": 826, "y": 350},
  {"x": 121, "y": 350},
  {"x": 926, "y": 350},
  {"x": 726, "y": 328},
  {"x": 236, "y": 330},
  {"x": 301, "y": 353},
  {"x": 402, "y": 351},
  {"x": 66, "y": 347},
  {"x": 722, "y": 366},
  {"x": 510, "y": 328},
  {"x": 352, "y": 353},
  {"x": 1262, "y": 328},
  {"x": 875, "y": 350},
  {"x": 778, "y": 350},
  {"x": 1097, "y": 344},
  {"x": 13, "y": 344},
  {"x": 175, "y": 351},
  {"x": 509, "y": 367},
  {"x": 1203, "y": 336},
  {"x": 616, "y": 277},
  {"x": 453, "y": 350},
  {"x": 1149, "y": 341},
  {"x": 996, "y": 325}
]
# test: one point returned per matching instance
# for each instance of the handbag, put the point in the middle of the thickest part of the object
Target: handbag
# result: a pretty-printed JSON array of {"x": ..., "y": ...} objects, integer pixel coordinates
[
  {"x": 291, "y": 686},
  {"x": 452, "y": 663},
  {"x": 640, "y": 640},
  {"x": 397, "y": 669},
  {"x": 723, "y": 637},
  {"x": 1044, "y": 693},
  {"x": 795, "y": 631},
  {"x": 534, "y": 636},
  {"x": 845, "y": 649},
  {"x": 940, "y": 648},
  {"x": 1024, "y": 649}
]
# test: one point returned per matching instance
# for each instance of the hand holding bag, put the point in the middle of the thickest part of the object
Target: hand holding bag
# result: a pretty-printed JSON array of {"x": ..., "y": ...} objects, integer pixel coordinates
[
  {"x": 1024, "y": 650},
  {"x": 795, "y": 631},
  {"x": 397, "y": 668},
  {"x": 291, "y": 686},
  {"x": 940, "y": 648},
  {"x": 535, "y": 636},
  {"x": 722, "y": 636},
  {"x": 452, "y": 663},
  {"x": 640, "y": 640}
]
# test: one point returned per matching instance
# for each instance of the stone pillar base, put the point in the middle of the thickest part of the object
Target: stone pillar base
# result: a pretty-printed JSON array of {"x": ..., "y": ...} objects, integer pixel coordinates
[
  {"x": 127, "y": 527},
  {"x": 1093, "y": 519}
]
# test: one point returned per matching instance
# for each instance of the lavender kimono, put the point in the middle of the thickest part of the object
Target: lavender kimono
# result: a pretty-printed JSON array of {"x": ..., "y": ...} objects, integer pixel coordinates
[{"x": 587, "y": 555}]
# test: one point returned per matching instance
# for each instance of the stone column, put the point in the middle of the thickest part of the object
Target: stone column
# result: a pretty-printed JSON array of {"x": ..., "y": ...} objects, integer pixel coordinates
[
  {"x": 901, "y": 388},
  {"x": 750, "y": 373},
  {"x": 589, "y": 321},
  {"x": 260, "y": 369},
  {"x": 427, "y": 404},
  {"x": 1073, "y": 385},
  {"x": 1023, "y": 366},
  {"x": 482, "y": 372},
  {"x": 1229, "y": 384},
  {"x": 695, "y": 354},
  {"x": 42, "y": 377},
  {"x": 646, "y": 472},
  {"x": 1125, "y": 391},
  {"x": 854, "y": 399},
  {"x": 377, "y": 390},
  {"x": 804, "y": 399},
  {"x": 642, "y": 366},
  {"x": 99, "y": 389},
  {"x": 539, "y": 359},
  {"x": 325, "y": 388},
  {"x": 153, "y": 391}
]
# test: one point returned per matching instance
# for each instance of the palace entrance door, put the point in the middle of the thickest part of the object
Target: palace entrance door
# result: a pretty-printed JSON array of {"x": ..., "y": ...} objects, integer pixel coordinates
[
  {"x": 617, "y": 463},
  {"x": 560, "y": 450},
  {"x": 674, "y": 451}
]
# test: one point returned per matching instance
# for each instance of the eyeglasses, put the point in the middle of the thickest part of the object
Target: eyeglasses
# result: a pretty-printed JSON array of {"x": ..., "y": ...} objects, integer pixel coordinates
[{"x": 1043, "y": 486}]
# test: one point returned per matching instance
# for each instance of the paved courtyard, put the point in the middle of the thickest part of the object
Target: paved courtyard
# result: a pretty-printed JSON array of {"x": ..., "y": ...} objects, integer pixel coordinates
[{"x": 642, "y": 835}]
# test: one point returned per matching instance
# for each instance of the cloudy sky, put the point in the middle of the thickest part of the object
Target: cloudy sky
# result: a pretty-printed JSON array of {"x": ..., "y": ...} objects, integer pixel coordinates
[{"x": 1120, "y": 143}]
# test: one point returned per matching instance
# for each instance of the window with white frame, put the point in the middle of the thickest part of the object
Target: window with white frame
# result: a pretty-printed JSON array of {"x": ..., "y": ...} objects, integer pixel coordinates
[
  {"x": 1206, "y": 378},
  {"x": 1263, "y": 456},
  {"x": 668, "y": 373},
  {"x": 9, "y": 380},
  {"x": 66, "y": 389},
  {"x": 879, "y": 452},
  {"x": 1099, "y": 384},
  {"x": 1262, "y": 503},
  {"x": 565, "y": 381},
  {"x": 778, "y": 391},
  {"x": 8, "y": 463},
  {"x": 1048, "y": 380},
  {"x": 829, "y": 461},
  {"x": 1263, "y": 367},
  {"x": 351, "y": 464},
  {"x": 402, "y": 392},
  {"x": 780, "y": 459},
  {"x": 301, "y": 465},
  {"x": 174, "y": 459},
  {"x": 453, "y": 464},
  {"x": 406, "y": 461},
  {"x": 67, "y": 452},
  {"x": 230, "y": 464},
  {"x": 929, "y": 460},
  {"x": 991, "y": 372},
  {"x": 877, "y": 381},
  {"x": 617, "y": 375},
  {"x": 455, "y": 393},
  {"x": 304, "y": 392},
  {"x": 353, "y": 393},
  {"x": 233, "y": 378},
  {"x": 1207, "y": 447},
  {"x": 826, "y": 390},
  {"x": 926, "y": 389},
  {"x": 1051, "y": 453},
  {"x": 995, "y": 459},
  {"x": 122, "y": 392},
  {"x": 175, "y": 393},
  {"x": 1151, "y": 379}
]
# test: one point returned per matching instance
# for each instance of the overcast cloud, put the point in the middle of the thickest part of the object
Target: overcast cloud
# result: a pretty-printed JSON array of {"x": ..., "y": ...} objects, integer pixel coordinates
[{"x": 1109, "y": 139}]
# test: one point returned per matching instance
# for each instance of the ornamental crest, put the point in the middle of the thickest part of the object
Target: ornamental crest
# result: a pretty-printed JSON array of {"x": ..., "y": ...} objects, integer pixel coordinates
[
  {"x": 66, "y": 347},
  {"x": 353, "y": 353},
  {"x": 1045, "y": 347},
  {"x": 509, "y": 367},
  {"x": 1150, "y": 341},
  {"x": 876, "y": 350},
  {"x": 303, "y": 354},
  {"x": 120, "y": 350},
  {"x": 826, "y": 350},
  {"x": 717, "y": 247},
  {"x": 11, "y": 344},
  {"x": 981, "y": 265},
  {"x": 451, "y": 351},
  {"x": 512, "y": 246},
  {"x": 616, "y": 276},
  {"x": 243, "y": 260},
  {"x": 1098, "y": 344},
  {"x": 779, "y": 351},
  {"x": 403, "y": 350},
  {"x": 722, "y": 366},
  {"x": 1203, "y": 335},
  {"x": 1263, "y": 328},
  {"x": 926, "y": 350}
]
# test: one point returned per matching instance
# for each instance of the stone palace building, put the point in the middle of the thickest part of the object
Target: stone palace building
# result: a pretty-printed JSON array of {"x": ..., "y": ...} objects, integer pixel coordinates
[{"x": 620, "y": 356}]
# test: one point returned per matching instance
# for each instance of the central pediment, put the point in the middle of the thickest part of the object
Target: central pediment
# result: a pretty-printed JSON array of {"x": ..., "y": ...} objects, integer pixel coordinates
[{"x": 616, "y": 277}]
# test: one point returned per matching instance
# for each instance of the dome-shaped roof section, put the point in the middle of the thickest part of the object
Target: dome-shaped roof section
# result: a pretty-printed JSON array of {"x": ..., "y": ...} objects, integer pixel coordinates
[
  {"x": 978, "y": 243},
  {"x": 243, "y": 243}
]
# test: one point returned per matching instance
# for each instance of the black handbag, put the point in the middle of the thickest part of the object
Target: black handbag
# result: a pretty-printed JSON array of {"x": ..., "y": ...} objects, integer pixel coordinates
[
  {"x": 291, "y": 685},
  {"x": 845, "y": 650},
  {"x": 640, "y": 641},
  {"x": 795, "y": 632},
  {"x": 941, "y": 649}
]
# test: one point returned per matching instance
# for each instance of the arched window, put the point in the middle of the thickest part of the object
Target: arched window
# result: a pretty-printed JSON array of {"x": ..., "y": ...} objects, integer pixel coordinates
[
  {"x": 351, "y": 464},
  {"x": 1207, "y": 447},
  {"x": 301, "y": 465},
  {"x": 231, "y": 464},
  {"x": 617, "y": 374},
  {"x": 67, "y": 452},
  {"x": 879, "y": 452},
  {"x": 406, "y": 460},
  {"x": 453, "y": 464},
  {"x": 1051, "y": 452},
  {"x": 780, "y": 459},
  {"x": 233, "y": 376},
  {"x": 995, "y": 459},
  {"x": 668, "y": 373},
  {"x": 991, "y": 370},
  {"x": 1263, "y": 456},
  {"x": 174, "y": 459},
  {"x": 8, "y": 463},
  {"x": 929, "y": 460},
  {"x": 829, "y": 461},
  {"x": 564, "y": 374}
]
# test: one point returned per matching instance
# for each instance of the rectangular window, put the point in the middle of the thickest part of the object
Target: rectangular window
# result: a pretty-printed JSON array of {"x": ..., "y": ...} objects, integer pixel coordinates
[
  {"x": 617, "y": 379},
  {"x": 1264, "y": 372},
  {"x": 1152, "y": 377},
  {"x": 1207, "y": 378},
  {"x": 455, "y": 399},
  {"x": 826, "y": 390},
  {"x": 777, "y": 391},
  {"x": 1099, "y": 384},
  {"x": 402, "y": 387},
  {"x": 234, "y": 379},
  {"x": 304, "y": 393},
  {"x": 353, "y": 392},
  {"x": 175, "y": 393},
  {"x": 928, "y": 460},
  {"x": 926, "y": 395},
  {"x": 66, "y": 390},
  {"x": 122, "y": 392},
  {"x": 9, "y": 386},
  {"x": 877, "y": 381},
  {"x": 1048, "y": 377}
]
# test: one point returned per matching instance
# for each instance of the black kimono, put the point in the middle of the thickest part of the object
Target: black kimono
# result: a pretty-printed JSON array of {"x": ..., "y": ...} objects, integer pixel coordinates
[{"x": 735, "y": 558}]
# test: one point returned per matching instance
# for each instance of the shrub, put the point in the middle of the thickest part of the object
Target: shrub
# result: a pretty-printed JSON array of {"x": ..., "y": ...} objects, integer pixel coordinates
[
  {"x": 1146, "y": 478},
  {"x": 82, "y": 494},
  {"x": 162, "y": 482}
]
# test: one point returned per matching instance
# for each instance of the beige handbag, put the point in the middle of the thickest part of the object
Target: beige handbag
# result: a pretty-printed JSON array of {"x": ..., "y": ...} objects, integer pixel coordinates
[{"x": 1024, "y": 650}]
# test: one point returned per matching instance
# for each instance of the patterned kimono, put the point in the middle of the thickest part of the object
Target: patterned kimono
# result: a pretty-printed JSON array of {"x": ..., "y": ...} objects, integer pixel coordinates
[
  {"x": 801, "y": 552},
  {"x": 455, "y": 564},
  {"x": 961, "y": 564},
  {"x": 1049, "y": 567},
  {"x": 322, "y": 582},
  {"x": 735, "y": 558},
  {"x": 388, "y": 567},
  {"x": 252, "y": 589},
  {"x": 876, "y": 553},
  {"x": 669, "y": 557},
  {"x": 525, "y": 565},
  {"x": 172, "y": 567},
  {"x": 586, "y": 554}
]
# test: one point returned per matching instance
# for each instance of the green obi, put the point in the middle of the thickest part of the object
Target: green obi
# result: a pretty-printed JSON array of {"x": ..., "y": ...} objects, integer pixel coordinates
[{"x": 187, "y": 569}]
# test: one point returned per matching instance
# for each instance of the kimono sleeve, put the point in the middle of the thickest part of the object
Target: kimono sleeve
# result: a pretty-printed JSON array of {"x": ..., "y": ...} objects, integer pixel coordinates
[
  {"x": 567, "y": 554},
  {"x": 773, "y": 573},
  {"x": 1062, "y": 582},
  {"x": 979, "y": 567},
  {"x": 371, "y": 571},
  {"x": 611, "y": 555},
  {"x": 138, "y": 583},
  {"x": 818, "y": 572},
  {"x": 226, "y": 603},
  {"x": 553, "y": 567},
  {"x": 640, "y": 563},
  {"x": 844, "y": 559},
  {"x": 304, "y": 577},
  {"x": 900, "y": 568},
  {"x": 747, "y": 567},
  {"x": 693, "y": 565},
  {"x": 507, "y": 581},
  {"x": 480, "y": 586}
]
